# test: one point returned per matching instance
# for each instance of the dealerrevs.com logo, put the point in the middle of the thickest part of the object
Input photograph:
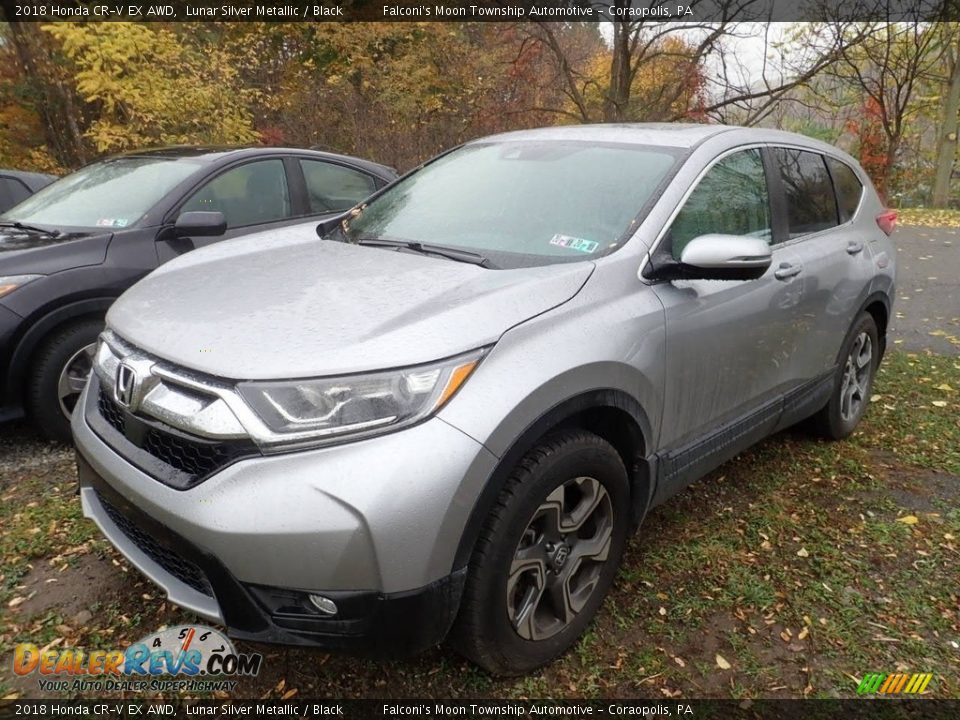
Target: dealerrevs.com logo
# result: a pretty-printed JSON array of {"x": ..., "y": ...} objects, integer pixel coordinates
[{"x": 187, "y": 657}]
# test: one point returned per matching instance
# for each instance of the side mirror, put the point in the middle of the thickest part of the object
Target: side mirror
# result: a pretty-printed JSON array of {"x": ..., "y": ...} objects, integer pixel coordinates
[
  {"x": 725, "y": 257},
  {"x": 326, "y": 226},
  {"x": 200, "y": 223}
]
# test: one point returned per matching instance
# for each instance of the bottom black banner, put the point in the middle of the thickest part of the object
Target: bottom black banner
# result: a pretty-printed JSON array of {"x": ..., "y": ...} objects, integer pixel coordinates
[{"x": 881, "y": 708}]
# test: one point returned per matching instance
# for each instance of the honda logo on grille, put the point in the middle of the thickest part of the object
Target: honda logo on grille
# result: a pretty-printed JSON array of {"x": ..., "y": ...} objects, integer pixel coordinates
[{"x": 125, "y": 390}]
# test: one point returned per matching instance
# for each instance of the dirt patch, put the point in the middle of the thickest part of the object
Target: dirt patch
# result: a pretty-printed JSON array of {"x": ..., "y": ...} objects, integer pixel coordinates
[
  {"x": 68, "y": 589},
  {"x": 917, "y": 489}
]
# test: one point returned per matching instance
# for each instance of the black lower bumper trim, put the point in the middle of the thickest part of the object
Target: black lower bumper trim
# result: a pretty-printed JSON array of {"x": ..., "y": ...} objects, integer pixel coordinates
[{"x": 367, "y": 622}]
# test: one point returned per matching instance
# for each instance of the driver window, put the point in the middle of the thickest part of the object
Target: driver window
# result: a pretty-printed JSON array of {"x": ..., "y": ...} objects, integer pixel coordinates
[
  {"x": 248, "y": 195},
  {"x": 731, "y": 199}
]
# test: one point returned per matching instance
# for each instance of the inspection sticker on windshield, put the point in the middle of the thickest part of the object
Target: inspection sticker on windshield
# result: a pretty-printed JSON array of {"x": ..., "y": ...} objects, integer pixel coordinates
[
  {"x": 113, "y": 222},
  {"x": 578, "y": 244}
]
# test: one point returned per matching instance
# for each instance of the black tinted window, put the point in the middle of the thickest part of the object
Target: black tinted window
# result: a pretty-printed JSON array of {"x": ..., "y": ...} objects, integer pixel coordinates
[
  {"x": 12, "y": 192},
  {"x": 334, "y": 187},
  {"x": 811, "y": 205},
  {"x": 731, "y": 199},
  {"x": 849, "y": 188},
  {"x": 248, "y": 195}
]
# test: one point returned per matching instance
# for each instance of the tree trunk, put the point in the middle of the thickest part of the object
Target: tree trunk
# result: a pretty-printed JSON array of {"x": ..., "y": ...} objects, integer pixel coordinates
[
  {"x": 618, "y": 92},
  {"x": 56, "y": 106},
  {"x": 949, "y": 130}
]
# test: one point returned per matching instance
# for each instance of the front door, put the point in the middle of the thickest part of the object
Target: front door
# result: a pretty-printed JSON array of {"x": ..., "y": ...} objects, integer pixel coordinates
[
  {"x": 252, "y": 197},
  {"x": 728, "y": 343}
]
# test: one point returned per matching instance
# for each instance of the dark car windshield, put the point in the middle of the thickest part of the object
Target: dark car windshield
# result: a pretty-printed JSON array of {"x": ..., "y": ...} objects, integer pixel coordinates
[
  {"x": 521, "y": 202},
  {"x": 110, "y": 194}
]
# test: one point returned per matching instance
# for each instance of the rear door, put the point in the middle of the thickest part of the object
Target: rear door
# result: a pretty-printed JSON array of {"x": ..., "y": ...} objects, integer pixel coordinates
[{"x": 821, "y": 196}]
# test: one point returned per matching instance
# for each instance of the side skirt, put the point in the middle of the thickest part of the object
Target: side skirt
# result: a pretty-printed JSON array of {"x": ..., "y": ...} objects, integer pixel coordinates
[{"x": 675, "y": 468}]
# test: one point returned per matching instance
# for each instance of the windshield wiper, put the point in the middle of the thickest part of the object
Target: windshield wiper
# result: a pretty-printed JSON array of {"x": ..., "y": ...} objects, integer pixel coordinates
[
  {"x": 428, "y": 249},
  {"x": 31, "y": 228}
]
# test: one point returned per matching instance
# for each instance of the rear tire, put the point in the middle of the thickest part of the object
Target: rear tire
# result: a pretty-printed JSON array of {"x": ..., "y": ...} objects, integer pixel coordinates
[
  {"x": 546, "y": 556},
  {"x": 60, "y": 368},
  {"x": 853, "y": 383}
]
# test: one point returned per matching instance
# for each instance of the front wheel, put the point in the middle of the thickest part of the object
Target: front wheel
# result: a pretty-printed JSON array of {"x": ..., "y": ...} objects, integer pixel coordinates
[
  {"x": 60, "y": 370},
  {"x": 546, "y": 556},
  {"x": 859, "y": 359}
]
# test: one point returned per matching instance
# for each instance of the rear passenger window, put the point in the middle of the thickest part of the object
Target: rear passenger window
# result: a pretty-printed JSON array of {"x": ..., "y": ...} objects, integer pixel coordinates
[
  {"x": 848, "y": 186},
  {"x": 811, "y": 204},
  {"x": 731, "y": 199},
  {"x": 332, "y": 188}
]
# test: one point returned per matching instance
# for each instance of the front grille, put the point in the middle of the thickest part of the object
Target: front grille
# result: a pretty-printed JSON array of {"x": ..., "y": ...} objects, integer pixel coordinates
[
  {"x": 111, "y": 412},
  {"x": 192, "y": 458},
  {"x": 171, "y": 456},
  {"x": 182, "y": 569}
]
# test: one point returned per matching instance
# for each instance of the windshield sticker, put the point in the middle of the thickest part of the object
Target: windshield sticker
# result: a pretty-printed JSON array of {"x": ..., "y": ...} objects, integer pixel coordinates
[
  {"x": 112, "y": 222},
  {"x": 578, "y": 244}
]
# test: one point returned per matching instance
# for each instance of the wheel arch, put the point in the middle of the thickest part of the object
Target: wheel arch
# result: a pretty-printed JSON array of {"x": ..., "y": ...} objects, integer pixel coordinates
[
  {"x": 612, "y": 414},
  {"x": 877, "y": 305},
  {"x": 39, "y": 330}
]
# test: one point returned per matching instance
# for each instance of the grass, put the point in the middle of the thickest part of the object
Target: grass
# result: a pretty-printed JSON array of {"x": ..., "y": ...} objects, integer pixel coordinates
[
  {"x": 928, "y": 217},
  {"x": 802, "y": 564}
]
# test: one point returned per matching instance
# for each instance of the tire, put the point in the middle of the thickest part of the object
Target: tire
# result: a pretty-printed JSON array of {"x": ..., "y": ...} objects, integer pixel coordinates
[
  {"x": 67, "y": 345},
  {"x": 841, "y": 415},
  {"x": 495, "y": 628}
]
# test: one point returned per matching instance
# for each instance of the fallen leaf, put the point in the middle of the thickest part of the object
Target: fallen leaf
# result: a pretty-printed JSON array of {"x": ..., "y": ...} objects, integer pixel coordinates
[
  {"x": 908, "y": 520},
  {"x": 803, "y": 552},
  {"x": 939, "y": 403},
  {"x": 662, "y": 611},
  {"x": 722, "y": 663}
]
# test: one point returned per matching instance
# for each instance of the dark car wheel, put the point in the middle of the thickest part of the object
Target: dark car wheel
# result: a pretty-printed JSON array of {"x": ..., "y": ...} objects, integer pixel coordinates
[
  {"x": 858, "y": 363},
  {"x": 546, "y": 556},
  {"x": 60, "y": 370}
]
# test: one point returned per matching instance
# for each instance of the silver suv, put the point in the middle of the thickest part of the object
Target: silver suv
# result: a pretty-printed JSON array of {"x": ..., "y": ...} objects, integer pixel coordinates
[{"x": 445, "y": 418}]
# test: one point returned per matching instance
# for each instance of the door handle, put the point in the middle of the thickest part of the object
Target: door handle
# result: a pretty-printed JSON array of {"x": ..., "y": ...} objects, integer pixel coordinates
[
  {"x": 854, "y": 246},
  {"x": 787, "y": 271}
]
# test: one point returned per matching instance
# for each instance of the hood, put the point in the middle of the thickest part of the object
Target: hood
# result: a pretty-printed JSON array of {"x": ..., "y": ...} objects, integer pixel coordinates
[
  {"x": 285, "y": 305},
  {"x": 24, "y": 251}
]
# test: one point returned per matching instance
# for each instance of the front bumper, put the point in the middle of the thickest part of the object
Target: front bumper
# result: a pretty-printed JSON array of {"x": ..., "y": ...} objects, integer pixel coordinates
[{"x": 372, "y": 525}]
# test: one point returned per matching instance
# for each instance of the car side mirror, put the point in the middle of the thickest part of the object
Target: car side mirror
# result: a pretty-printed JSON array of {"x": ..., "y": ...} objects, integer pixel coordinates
[
  {"x": 200, "y": 223},
  {"x": 725, "y": 257},
  {"x": 325, "y": 227}
]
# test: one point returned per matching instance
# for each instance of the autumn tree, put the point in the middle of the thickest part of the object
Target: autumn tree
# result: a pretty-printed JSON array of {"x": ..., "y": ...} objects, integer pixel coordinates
[
  {"x": 949, "y": 122},
  {"x": 150, "y": 84},
  {"x": 886, "y": 68}
]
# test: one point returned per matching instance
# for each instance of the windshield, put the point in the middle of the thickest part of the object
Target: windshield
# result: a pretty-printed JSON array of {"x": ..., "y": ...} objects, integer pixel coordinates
[
  {"x": 109, "y": 194},
  {"x": 521, "y": 203}
]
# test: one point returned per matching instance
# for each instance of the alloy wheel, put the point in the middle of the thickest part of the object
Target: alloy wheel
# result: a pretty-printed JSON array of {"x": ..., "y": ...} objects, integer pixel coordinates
[
  {"x": 558, "y": 561},
  {"x": 73, "y": 377},
  {"x": 856, "y": 378}
]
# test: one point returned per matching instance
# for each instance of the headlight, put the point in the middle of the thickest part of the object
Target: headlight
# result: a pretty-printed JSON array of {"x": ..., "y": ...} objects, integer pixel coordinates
[
  {"x": 328, "y": 407},
  {"x": 9, "y": 283}
]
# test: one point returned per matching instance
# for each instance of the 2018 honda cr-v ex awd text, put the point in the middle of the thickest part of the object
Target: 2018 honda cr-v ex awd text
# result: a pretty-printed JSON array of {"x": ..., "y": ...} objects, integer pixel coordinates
[{"x": 444, "y": 417}]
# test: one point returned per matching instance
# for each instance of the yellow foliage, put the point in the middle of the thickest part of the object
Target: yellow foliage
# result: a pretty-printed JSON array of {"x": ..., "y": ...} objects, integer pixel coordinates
[{"x": 151, "y": 85}]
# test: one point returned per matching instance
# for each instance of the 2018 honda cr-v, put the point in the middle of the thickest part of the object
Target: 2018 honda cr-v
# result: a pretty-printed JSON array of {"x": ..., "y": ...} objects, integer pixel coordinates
[{"x": 443, "y": 418}]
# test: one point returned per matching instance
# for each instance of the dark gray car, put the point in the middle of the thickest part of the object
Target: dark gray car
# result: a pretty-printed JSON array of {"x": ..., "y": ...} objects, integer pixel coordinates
[
  {"x": 68, "y": 251},
  {"x": 17, "y": 185}
]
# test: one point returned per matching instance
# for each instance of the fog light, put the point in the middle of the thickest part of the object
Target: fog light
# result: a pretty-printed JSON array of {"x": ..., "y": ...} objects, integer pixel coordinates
[{"x": 324, "y": 604}]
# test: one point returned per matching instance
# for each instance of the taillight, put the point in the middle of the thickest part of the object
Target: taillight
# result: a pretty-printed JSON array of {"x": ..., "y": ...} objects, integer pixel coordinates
[{"x": 887, "y": 220}]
